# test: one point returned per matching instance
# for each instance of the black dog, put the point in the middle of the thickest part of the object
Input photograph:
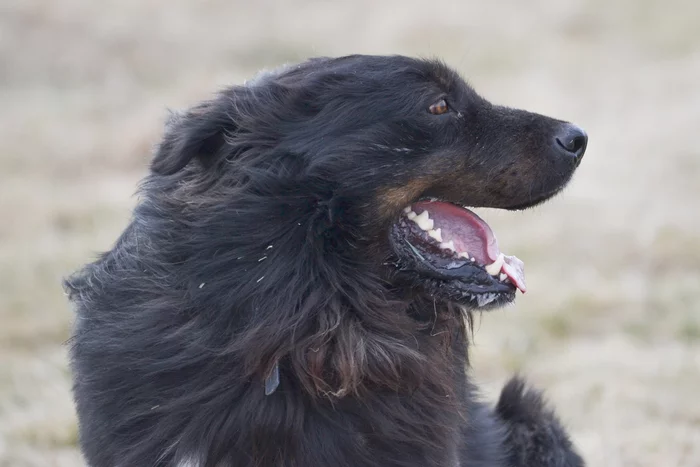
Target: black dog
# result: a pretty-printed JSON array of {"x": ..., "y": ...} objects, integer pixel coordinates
[{"x": 296, "y": 284}]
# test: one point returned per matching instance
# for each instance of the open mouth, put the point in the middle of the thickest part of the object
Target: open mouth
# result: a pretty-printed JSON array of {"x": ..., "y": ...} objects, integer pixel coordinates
[{"x": 455, "y": 254}]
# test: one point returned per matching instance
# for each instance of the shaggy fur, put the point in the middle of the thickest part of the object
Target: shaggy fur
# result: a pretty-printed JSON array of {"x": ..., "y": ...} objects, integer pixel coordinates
[{"x": 260, "y": 242}]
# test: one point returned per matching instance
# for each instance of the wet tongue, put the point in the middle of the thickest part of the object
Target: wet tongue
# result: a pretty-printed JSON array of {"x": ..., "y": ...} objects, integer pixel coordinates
[
  {"x": 515, "y": 270},
  {"x": 470, "y": 234},
  {"x": 467, "y": 230}
]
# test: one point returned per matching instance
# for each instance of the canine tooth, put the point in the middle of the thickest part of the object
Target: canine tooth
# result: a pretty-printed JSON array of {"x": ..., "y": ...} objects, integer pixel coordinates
[
  {"x": 473, "y": 260},
  {"x": 463, "y": 254},
  {"x": 436, "y": 234},
  {"x": 448, "y": 245},
  {"x": 495, "y": 267},
  {"x": 423, "y": 216},
  {"x": 502, "y": 277},
  {"x": 424, "y": 221},
  {"x": 411, "y": 215},
  {"x": 407, "y": 209}
]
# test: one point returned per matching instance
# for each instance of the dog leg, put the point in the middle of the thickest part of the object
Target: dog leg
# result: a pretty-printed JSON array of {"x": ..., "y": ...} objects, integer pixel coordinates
[{"x": 535, "y": 436}]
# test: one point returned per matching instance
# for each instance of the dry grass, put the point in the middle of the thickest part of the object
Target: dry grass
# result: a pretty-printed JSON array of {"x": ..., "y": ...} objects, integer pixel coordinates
[{"x": 611, "y": 325}]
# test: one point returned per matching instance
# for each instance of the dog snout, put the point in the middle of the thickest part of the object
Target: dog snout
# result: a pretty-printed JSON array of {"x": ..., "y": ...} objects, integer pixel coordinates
[{"x": 571, "y": 141}]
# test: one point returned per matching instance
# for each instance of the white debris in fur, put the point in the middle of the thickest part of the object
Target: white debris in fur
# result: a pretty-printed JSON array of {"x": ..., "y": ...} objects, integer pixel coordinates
[
  {"x": 187, "y": 462},
  {"x": 387, "y": 148},
  {"x": 201, "y": 285},
  {"x": 485, "y": 299}
]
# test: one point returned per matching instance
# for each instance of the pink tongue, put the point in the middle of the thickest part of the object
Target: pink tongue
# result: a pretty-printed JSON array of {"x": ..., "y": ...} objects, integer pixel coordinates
[
  {"x": 515, "y": 270},
  {"x": 467, "y": 230},
  {"x": 471, "y": 234}
]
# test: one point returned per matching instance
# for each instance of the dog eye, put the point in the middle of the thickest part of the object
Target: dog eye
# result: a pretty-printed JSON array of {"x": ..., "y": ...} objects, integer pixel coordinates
[{"x": 440, "y": 107}]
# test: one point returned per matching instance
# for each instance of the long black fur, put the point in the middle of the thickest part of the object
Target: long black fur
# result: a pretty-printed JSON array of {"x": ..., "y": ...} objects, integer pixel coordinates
[{"x": 260, "y": 240}]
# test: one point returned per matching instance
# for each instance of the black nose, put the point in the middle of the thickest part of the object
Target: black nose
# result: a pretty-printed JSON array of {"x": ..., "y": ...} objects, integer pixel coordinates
[{"x": 571, "y": 141}]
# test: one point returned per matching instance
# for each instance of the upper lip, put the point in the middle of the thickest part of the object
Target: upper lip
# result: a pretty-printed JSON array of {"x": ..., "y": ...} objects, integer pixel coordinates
[{"x": 534, "y": 201}]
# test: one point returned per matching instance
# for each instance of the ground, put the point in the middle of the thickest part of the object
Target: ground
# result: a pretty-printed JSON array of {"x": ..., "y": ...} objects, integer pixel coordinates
[{"x": 610, "y": 326}]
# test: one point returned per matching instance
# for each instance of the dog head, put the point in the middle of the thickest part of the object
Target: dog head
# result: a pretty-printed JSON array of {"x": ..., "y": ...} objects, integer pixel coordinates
[{"x": 390, "y": 151}]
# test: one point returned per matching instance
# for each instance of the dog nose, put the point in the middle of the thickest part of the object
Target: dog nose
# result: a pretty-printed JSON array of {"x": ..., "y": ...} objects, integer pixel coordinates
[{"x": 571, "y": 141}]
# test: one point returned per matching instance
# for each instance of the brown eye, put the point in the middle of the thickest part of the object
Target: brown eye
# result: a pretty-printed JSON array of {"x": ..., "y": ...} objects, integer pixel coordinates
[{"x": 440, "y": 107}]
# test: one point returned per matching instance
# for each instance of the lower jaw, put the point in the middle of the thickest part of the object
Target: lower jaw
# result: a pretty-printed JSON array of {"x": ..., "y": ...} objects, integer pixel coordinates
[
  {"x": 449, "y": 291},
  {"x": 477, "y": 291}
]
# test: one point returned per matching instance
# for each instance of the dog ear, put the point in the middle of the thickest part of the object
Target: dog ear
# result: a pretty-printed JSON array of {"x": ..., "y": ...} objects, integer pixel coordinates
[{"x": 197, "y": 133}]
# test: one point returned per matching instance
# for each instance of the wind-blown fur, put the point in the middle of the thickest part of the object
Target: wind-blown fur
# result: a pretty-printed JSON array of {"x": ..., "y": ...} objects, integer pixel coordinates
[{"x": 260, "y": 240}]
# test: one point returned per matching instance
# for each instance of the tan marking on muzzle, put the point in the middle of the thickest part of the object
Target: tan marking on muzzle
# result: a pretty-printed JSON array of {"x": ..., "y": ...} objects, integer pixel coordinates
[{"x": 393, "y": 200}]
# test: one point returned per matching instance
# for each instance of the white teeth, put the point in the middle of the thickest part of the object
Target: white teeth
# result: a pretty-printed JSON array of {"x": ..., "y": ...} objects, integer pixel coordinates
[
  {"x": 448, "y": 245},
  {"x": 411, "y": 215},
  {"x": 473, "y": 260},
  {"x": 502, "y": 277},
  {"x": 407, "y": 209},
  {"x": 495, "y": 267},
  {"x": 423, "y": 215},
  {"x": 436, "y": 234},
  {"x": 424, "y": 221},
  {"x": 463, "y": 254}
]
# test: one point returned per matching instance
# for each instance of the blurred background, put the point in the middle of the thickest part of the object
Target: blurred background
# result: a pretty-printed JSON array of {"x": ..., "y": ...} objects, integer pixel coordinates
[{"x": 610, "y": 326}]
